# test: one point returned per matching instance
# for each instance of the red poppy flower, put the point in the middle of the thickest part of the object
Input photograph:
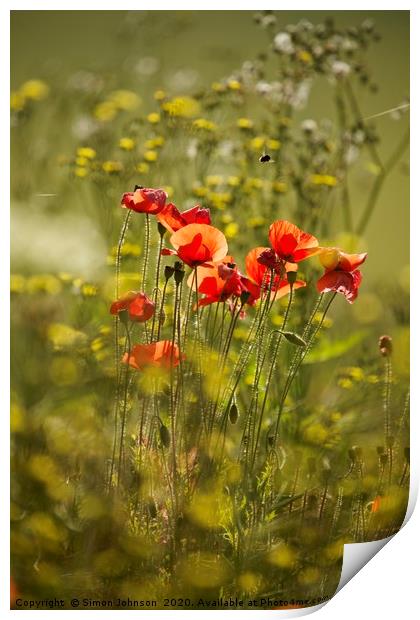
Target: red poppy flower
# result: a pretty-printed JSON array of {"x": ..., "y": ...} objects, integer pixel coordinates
[
  {"x": 341, "y": 273},
  {"x": 262, "y": 275},
  {"x": 197, "y": 244},
  {"x": 290, "y": 243},
  {"x": 173, "y": 219},
  {"x": 145, "y": 200},
  {"x": 218, "y": 282},
  {"x": 139, "y": 306},
  {"x": 160, "y": 354}
]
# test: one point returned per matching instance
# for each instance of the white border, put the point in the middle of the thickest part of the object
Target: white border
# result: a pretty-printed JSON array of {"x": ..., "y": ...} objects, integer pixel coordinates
[{"x": 388, "y": 585}]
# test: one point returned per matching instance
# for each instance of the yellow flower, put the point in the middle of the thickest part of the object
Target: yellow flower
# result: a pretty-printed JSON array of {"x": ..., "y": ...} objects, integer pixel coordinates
[
  {"x": 159, "y": 95},
  {"x": 88, "y": 290},
  {"x": 86, "y": 151},
  {"x": 43, "y": 283},
  {"x": 81, "y": 161},
  {"x": 169, "y": 190},
  {"x": 279, "y": 187},
  {"x": 105, "y": 111},
  {"x": 143, "y": 168},
  {"x": 150, "y": 156},
  {"x": 231, "y": 230},
  {"x": 17, "y": 283},
  {"x": 273, "y": 145},
  {"x": 257, "y": 143},
  {"x": 233, "y": 181},
  {"x": 127, "y": 144},
  {"x": 17, "y": 101},
  {"x": 226, "y": 218},
  {"x": 184, "y": 107},
  {"x": 323, "y": 179},
  {"x": 244, "y": 123},
  {"x": 153, "y": 118},
  {"x": 159, "y": 141},
  {"x": 80, "y": 172},
  {"x": 256, "y": 222},
  {"x": 304, "y": 56},
  {"x": 234, "y": 85},
  {"x": 214, "y": 179},
  {"x": 200, "y": 191},
  {"x": 111, "y": 167},
  {"x": 202, "y": 123},
  {"x": 34, "y": 89},
  {"x": 125, "y": 99},
  {"x": 218, "y": 87}
]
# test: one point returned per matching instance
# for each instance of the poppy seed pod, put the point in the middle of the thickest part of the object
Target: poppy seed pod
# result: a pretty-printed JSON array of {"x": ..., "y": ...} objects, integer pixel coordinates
[
  {"x": 233, "y": 414},
  {"x": 169, "y": 272},
  {"x": 385, "y": 346}
]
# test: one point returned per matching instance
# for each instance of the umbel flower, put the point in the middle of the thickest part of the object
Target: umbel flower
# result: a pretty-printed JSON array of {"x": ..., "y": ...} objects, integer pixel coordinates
[
  {"x": 161, "y": 354},
  {"x": 139, "y": 306},
  {"x": 145, "y": 200},
  {"x": 198, "y": 244},
  {"x": 173, "y": 219},
  {"x": 341, "y": 273}
]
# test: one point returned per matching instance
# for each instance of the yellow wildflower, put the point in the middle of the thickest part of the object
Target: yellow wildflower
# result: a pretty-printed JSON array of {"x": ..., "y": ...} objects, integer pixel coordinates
[
  {"x": 80, "y": 172},
  {"x": 17, "y": 283},
  {"x": 150, "y": 156},
  {"x": 105, "y": 111},
  {"x": 125, "y": 99},
  {"x": 273, "y": 145},
  {"x": 184, "y": 107},
  {"x": 233, "y": 181},
  {"x": 143, "y": 168},
  {"x": 86, "y": 151},
  {"x": 244, "y": 123},
  {"x": 200, "y": 191},
  {"x": 202, "y": 123},
  {"x": 234, "y": 85},
  {"x": 17, "y": 101},
  {"x": 214, "y": 179},
  {"x": 323, "y": 179},
  {"x": 257, "y": 143},
  {"x": 305, "y": 56},
  {"x": 35, "y": 90},
  {"x": 111, "y": 167},
  {"x": 231, "y": 230},
  {"x": 279, "y": 187},
  {"x": 153, "y": 118},
  {"x": 127, "y": 144},
  {"x": 159, "y": 95},
  {"x": 218, "y": 87}
]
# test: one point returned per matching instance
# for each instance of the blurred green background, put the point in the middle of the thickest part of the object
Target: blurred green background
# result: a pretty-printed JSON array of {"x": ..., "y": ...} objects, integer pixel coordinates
[{"x": 181, "y": 50}]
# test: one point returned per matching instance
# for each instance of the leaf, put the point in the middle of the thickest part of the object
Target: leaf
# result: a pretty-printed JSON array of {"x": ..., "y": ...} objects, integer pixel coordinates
[
  {"x": 294, "y": 339},
  {"x": 326, "y": 349}
]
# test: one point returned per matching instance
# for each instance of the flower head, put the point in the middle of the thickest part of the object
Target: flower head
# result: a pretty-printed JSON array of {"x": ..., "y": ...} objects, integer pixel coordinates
[
  {"x": 161, "y": 354},
  {"x": 139, "y": 306},
  {"x": 219, "y": 282},
  {"x": 265, "y": 270},
  {"x": 290, "y": 243},
  {"x": 173, "y": 219},
  {"x": 341, "y": 274},
  {"x": 197, "y": 244},
  {"x": 144, "y": 200}
]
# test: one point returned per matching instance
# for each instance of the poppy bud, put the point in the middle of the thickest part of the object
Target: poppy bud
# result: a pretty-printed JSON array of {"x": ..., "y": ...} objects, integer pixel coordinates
[
  {"x": 233, "y": 414},
  {"x": 245, "y": 295},
  {"x": 165, "y": 436},
  {"x": 385, "y": 346},
  {"x": 179, "y": 273},
  {"x": 291, "y": 277},
  {"x": 294, "y": 339},
  {"x": 169, "y": 272},
  {"x": 123, "y": 316},
  {"x": 161, "y": 229}
]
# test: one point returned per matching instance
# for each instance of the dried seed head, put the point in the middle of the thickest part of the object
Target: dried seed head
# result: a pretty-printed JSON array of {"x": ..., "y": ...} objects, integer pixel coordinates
[
  {"x": 169, "y": 272},
  {"x": 385, "y": 346}
]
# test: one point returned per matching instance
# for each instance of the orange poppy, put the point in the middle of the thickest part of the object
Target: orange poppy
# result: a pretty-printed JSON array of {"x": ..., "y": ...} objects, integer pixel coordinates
[
  {"x": 139, "y": 306},
  {"x": 162, "y": 354},
  {"x": 144, "y": 200},
  {"x": 219, "y": 282},
  {"x": 198, "y": 244},
  {"x": 290, "y": 243},
  {"x": 341, "y": 274},
  {"x": 173, "y": 219},
  {"x": 262, "y": 275}
]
